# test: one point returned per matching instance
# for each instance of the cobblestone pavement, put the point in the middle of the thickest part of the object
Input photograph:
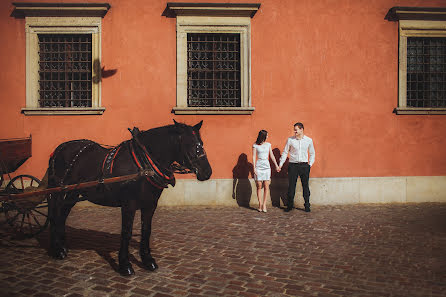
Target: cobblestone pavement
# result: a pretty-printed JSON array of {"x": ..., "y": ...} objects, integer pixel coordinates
[{"x": 353, "y": 250}]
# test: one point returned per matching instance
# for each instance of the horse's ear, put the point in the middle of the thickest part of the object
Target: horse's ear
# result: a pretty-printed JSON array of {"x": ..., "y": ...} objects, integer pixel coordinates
[
  {"x": 179, "y": 128},
  {"x": 198, "y": 126},
  {"x": 135, "y": 131}
]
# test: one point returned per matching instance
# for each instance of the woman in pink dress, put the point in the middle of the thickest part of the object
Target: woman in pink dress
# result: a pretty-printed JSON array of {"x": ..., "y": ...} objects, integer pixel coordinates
[{"x": 261, "y": 150}]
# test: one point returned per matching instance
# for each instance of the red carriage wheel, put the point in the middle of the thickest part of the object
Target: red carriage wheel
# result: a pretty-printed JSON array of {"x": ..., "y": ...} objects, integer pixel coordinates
[{"x": 27, "y": 216}]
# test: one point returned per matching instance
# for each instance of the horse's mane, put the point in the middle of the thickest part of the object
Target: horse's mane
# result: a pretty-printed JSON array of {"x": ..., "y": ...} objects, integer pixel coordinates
[{"x": 167, "y": 128}]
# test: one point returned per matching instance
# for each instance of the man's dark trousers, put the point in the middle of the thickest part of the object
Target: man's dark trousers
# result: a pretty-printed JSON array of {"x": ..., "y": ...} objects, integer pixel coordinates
[{"x": 296, "y": 170}]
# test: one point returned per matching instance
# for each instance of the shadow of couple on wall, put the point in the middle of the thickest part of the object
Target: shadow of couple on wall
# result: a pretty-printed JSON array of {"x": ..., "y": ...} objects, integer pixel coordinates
[{"x": 242, "y": 189}]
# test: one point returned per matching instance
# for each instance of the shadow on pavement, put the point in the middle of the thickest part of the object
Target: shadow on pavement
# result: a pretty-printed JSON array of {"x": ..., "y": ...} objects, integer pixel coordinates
[{"x": 103, "y": 243}]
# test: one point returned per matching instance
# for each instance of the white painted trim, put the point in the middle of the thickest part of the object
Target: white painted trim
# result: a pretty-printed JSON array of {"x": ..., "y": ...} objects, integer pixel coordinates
[
  {"x": 63, "y": 111},
  {"x": 419, "y": 110},
  {"x": 213, "y": 110}
]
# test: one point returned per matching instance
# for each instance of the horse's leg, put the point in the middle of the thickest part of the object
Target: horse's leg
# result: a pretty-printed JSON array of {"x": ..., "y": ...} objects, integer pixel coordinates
[
  {"x": 58, "y": 209},
  {"x": 127, "y": 214},
  {"x": 146, "y": 229},
  {"x": 56, "y": 250}
]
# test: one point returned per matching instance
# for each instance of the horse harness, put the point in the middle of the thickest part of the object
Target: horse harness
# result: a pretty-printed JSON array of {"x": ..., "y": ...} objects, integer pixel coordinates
[
  {"x": 146, "y": 165},
  {"x": 143, "y": 161},
  {"x": 86, "y": 144}
]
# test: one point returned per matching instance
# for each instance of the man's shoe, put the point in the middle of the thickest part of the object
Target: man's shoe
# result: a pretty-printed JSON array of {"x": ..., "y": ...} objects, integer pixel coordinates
[{"x": 288, "y": 209}]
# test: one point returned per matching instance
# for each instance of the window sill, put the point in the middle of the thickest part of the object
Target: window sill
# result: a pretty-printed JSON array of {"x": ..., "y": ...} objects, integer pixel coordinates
[
  {"x": 213, "y": 110},
  {"x": 64, "y": 111},
  {"x": 419, "y": 110}
]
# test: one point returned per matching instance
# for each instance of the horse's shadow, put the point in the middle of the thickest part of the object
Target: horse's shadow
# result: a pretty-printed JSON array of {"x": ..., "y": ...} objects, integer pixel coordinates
[
  {"x": 241, "y": 186},
  {"x": 103, "y": 243}
]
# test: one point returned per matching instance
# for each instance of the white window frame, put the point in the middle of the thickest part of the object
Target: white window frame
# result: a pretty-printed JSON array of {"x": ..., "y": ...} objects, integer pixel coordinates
[
  {"x": 61, "y": 19},
  {"x": 415, "y": 22},
  {"x": 213, "y": 18}
]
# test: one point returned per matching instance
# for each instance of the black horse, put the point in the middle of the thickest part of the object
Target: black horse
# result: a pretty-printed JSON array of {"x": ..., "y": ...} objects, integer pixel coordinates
[{"x": 160, "y": 152}]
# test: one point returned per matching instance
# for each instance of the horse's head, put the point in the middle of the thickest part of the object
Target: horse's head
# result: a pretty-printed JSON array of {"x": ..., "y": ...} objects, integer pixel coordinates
[{"x": 192, "y": 154}]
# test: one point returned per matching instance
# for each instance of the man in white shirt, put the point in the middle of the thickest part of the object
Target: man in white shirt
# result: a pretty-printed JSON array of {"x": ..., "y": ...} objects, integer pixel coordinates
[{"x": 299, "y": 147}]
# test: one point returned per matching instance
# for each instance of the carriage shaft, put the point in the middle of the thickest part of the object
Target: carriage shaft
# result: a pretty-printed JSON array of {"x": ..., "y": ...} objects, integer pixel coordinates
[{"x": 23, "y": 197}]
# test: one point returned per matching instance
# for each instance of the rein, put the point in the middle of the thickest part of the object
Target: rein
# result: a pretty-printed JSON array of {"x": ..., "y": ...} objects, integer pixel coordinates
[{"x": 180, "y": 169}]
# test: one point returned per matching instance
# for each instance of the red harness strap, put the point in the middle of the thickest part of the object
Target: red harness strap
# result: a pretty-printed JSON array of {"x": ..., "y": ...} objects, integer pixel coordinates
[
  {"x": 154, "y": 184},
  {"x": 156, "y": 168},
  {"x": 132, "y": 149},
  {"x": 135, "y": 158}
]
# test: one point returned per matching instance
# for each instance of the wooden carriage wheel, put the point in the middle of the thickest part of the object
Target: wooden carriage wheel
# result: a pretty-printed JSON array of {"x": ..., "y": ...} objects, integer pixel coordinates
[{"x": 27, "y": 216}]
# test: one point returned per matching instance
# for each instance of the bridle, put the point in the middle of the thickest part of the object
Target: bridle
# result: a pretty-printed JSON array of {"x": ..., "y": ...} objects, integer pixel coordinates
[
  {"x": 192, "y": 161},
  {"x": 160, "y": 179}
]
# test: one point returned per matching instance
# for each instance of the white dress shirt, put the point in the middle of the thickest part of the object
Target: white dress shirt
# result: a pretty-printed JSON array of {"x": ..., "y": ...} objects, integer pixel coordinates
[{"x": 298, "y": 150}]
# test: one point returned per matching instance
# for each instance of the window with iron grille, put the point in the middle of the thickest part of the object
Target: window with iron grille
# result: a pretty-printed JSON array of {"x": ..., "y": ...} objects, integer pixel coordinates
[
  {"x": 65, "y": 70},
  {"x": 213, "y": 57},
  {"x": 213, "y": 70},
  {"x": 421, "y": 59},
  {"x": 63, "y": 57},
  {"x": 426, "y": 72}
]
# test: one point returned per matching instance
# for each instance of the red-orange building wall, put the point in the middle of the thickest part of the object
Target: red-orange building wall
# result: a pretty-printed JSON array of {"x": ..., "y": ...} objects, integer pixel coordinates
[{"x": 331, "y": 64}]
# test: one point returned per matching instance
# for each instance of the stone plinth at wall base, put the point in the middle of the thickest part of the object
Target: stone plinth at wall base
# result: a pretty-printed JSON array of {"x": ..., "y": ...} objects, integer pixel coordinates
[{"x": 324, "y": 191}]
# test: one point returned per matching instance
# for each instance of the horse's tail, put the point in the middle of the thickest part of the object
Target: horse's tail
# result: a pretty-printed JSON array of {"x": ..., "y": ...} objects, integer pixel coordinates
[{"x": 50, "y": 174}]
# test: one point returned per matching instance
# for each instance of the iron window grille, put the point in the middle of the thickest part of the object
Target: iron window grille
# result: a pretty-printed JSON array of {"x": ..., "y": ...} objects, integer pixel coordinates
[
  {"x": 426, "y": 72},
  {"x": 213, "y": 70},
  {"x": 65, "y": 70}
]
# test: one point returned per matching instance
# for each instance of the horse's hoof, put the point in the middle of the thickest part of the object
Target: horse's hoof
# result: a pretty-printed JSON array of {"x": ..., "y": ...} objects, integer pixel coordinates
[
  {"x": 150, "y": 264},
  {"x": 59, "y": 254},
  {"x": 126, "y": 271}
]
